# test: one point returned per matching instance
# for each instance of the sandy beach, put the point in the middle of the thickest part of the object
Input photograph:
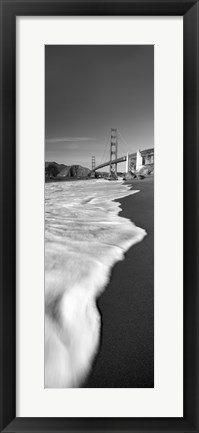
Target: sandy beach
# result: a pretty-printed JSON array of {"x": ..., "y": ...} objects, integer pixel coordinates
[{"x": 126, "y": 356}]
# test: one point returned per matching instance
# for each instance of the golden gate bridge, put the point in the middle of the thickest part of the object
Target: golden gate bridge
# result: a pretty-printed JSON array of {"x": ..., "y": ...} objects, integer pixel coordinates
[{"x": 134, "y": 161}]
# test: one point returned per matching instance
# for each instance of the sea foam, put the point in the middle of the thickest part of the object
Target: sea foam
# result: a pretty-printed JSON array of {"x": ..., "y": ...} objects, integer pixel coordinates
[{"x": 84, "y": 238}]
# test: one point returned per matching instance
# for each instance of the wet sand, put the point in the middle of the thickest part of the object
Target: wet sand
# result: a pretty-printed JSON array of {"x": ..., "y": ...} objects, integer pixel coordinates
[{"x": 126, "y": 355}]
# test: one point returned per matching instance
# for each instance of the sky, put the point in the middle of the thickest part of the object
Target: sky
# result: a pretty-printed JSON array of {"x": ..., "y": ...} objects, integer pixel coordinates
[{"x": 90, "y": 89}]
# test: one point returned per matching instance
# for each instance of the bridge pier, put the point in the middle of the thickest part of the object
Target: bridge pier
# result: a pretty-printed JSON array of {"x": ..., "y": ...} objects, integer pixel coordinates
[{"x": 138, "y": 160}]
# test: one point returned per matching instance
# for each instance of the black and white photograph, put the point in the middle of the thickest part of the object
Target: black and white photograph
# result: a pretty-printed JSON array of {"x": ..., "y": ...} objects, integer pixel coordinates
[{"x": 99, "y": 216}]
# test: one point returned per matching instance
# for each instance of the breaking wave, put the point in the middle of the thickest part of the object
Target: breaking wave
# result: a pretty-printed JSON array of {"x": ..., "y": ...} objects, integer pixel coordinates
[{"x": 84, "y": 238}]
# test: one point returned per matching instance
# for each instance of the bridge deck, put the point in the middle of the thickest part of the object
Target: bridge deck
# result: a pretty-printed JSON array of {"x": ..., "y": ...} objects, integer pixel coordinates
[{"x": 115, "y": 161}]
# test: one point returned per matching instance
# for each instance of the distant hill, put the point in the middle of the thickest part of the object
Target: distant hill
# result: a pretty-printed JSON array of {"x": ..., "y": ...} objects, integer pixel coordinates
[{"x": 62, "y": 171}]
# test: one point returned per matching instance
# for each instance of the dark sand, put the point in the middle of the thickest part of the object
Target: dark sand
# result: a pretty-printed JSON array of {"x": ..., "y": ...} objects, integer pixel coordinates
[{"x": 126, "y": 355}]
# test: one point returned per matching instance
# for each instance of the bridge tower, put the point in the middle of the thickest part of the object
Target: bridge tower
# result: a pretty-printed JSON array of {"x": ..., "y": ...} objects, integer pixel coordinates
[
  {"x": 93, "y": 162},
  {"x": 93, "y": 166},
  {"x": 113, "y": 152}
]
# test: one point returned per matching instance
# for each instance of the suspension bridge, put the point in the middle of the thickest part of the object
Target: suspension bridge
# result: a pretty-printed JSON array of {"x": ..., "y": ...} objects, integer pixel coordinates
[{"x": 134, "y": 161}]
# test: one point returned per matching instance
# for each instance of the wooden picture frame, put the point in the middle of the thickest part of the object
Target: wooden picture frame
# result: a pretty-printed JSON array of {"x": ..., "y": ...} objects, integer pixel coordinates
[{"x": 189, "y": 9}]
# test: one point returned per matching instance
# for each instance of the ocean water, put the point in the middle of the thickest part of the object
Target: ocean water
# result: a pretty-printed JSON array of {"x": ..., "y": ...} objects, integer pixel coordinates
[{"x": 84, "y": 238}]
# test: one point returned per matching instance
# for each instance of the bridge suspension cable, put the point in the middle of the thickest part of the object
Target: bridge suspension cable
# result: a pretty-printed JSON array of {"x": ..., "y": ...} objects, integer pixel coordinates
[
  {"x": 105, "y": 152},
  {"x": 124, "y": 141}
]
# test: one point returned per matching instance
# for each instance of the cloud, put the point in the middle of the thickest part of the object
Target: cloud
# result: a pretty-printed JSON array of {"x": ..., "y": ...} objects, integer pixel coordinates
[{"x": 69, "y": 139}]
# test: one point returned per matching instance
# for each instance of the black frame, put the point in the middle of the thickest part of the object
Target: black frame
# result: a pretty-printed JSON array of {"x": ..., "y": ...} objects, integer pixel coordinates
[{"x": 9, "y": 9}]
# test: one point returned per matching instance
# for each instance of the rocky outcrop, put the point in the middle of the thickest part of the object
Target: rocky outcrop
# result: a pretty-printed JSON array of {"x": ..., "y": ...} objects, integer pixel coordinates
[
  {"x": 61, "y": 171},
  {"x": 78, "y": 171},
  {"x": 147, "y": 170},
  {"x": 52, "y": 169},
  {"x": 129, "y": 176},
  {"x": 65, "y": 172}
]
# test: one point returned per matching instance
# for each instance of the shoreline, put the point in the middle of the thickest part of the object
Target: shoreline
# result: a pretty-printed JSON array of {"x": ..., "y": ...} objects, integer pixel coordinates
[{"x": 126, "y": 355}]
